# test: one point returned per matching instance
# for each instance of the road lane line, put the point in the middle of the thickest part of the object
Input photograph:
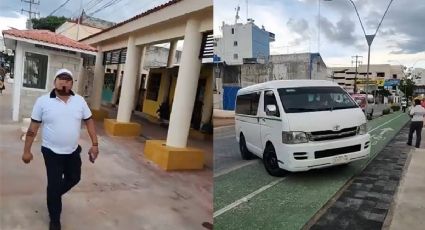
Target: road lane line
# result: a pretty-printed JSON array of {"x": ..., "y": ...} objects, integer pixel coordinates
[
  {"x": 385, "y": 123},
  {"x": 226, "y": 171},
  {"x": 246, "y": 198}
]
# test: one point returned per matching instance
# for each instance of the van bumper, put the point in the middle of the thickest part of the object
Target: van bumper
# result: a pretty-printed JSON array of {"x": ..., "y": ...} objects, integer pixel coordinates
[{"x": 287, "y": 161}]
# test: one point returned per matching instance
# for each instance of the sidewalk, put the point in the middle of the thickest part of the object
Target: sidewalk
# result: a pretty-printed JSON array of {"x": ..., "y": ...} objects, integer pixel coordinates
[
  {"x": 408, "y": 211},
  {"x": 120, "y": 191}
]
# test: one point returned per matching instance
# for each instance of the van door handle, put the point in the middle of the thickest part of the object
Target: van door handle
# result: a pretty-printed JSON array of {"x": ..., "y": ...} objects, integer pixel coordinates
[{"x": 264, "y": 119}]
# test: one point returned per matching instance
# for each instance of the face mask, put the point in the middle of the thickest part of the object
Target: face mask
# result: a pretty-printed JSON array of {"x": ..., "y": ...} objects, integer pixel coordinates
[{"x": 63, "y": 91}]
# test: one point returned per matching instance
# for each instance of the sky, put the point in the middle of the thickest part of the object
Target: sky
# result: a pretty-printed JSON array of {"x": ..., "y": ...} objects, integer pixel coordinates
[
  {"x": 400, "y": 39},
  {"x": 10, "y": 13}
]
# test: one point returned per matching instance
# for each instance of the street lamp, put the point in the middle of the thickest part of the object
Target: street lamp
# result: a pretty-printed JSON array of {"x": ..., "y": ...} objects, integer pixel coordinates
[{"x": 369, "y": 40}]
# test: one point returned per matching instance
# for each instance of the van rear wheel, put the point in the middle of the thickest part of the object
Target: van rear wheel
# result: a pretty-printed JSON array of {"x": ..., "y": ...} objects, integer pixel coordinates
[
  {"x": 245, "y": 153},
  {"x": 271, "y": 163}
]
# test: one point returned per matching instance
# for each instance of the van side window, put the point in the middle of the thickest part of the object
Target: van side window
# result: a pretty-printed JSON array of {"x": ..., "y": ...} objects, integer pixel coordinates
[
  {"x": 270, "y": 99},
  {"x": 247, "y": 104}
]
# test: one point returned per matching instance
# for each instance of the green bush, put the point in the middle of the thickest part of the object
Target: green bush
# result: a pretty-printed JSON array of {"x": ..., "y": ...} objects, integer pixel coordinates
[
  {"x": 395, "y": 108},
  {"x": 386, "y": 111}
]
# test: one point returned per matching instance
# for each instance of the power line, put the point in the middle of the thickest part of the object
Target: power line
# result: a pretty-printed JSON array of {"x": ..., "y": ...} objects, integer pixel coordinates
[
  {"x": 108, "y": 4},
  {"x": 62, "y": 5},
  {"x": 96, "y": 2}
]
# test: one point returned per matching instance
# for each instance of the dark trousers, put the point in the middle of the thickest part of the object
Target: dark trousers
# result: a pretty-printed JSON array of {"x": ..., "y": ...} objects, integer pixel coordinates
[
  {"x": 404, "y": 109},
  {"x": 415, "y": 126},
  {"x": 63, "y": 173}
]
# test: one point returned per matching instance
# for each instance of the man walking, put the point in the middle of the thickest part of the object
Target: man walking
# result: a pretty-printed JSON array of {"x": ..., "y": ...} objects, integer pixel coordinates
[
  {"x": 403, "y": 105},
  {"x": 60, "y": 112},
  {"x": 417, "y": 123}
]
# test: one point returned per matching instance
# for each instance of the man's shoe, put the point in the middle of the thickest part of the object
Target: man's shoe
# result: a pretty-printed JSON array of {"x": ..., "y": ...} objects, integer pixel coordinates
[
  {"x": 409, "y": 144},
  {"x": 55, "y": 226}
]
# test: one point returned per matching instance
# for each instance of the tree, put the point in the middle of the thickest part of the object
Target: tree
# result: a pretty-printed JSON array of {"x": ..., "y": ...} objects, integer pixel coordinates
[
  {"x": 48, "y": 23},
  {"x": 407, "y": 86}
]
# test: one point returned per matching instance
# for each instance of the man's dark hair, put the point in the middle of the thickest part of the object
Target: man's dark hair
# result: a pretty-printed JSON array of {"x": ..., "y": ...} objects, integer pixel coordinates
[{"x": 417, "y": 102}]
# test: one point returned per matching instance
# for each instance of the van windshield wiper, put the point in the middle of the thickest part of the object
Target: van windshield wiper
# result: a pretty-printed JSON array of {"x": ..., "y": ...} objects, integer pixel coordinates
[{"x": 301, "y": 109}]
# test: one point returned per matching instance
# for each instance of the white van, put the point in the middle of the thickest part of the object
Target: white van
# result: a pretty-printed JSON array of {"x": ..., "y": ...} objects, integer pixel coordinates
[{"x": 298, "y": 125}]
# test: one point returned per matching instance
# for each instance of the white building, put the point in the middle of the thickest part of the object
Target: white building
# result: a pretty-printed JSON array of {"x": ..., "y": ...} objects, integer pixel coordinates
[
  {"x": 418, "y": 76},
  {"x": 378, "y": 75},
  {"x": 82, "y": 27},
  {"x": 240, "y": 41},
  {"x": 38, "y": 55}
]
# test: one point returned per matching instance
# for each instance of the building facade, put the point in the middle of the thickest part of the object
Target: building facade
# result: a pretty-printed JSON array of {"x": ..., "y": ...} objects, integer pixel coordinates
[
  {"x": 241, "y": 41},
  {"x": 380, "y": 75},
  {"x": 229, "y": 78},
  {"x": 83, "y": 27}
]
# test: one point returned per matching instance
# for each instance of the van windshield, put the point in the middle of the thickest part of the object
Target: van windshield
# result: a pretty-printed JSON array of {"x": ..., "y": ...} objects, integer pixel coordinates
[{"x": 312, "y": 99}]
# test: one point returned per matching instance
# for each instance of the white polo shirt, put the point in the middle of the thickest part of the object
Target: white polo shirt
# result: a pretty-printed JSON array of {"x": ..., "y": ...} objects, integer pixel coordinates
[
  {"x": 418, "y": 113},
  {"x": 61, "y": 122}
]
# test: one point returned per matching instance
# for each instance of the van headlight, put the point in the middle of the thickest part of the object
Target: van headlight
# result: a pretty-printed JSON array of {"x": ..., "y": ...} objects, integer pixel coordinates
[
  {"x": 362, "y": 130},
  {"x": 294, "y": 137}
]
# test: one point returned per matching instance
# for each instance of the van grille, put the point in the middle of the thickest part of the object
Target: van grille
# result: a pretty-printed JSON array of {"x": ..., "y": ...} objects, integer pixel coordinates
[
  {"x": 338, "y": 151},
  {"x": 331, "y": 135}
]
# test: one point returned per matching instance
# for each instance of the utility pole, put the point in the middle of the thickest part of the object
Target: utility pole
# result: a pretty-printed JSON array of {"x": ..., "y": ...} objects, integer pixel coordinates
[
  {"x": 355, "y": 76},
  {"x": 30, "y": 11}
]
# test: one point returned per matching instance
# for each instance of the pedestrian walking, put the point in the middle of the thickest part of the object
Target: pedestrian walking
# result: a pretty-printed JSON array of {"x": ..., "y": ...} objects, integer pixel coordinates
[
  {"x": 404, "y": 105},
  {"x": 60, "y": 113},
  {"x": 417, "y": 113}
]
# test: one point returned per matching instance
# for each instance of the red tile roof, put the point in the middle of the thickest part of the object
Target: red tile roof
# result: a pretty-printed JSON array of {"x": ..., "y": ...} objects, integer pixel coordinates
[
  {"x": 48, "y": 37},
  {"x": 157, "y": 8}
]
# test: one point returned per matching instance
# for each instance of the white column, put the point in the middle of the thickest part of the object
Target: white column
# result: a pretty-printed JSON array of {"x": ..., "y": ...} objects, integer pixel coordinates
[
  {"x": 208, "y": 101},
  {"x": 187, "y": 82},
  {"x": 99, "y": 75},
  {"x": 117, "y": 84},
  {"x": 19, "y": 74},
  {"x": 128, "y": 89},
  {"x": 139, "y": 76},
  {"x": 81, "y": 78},
  {"x": 172, "y": 53}
]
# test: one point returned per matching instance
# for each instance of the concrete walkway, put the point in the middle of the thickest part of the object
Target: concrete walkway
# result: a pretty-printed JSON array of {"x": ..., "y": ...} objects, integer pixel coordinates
[
  {"x": 408, "y": 211},
  {"x": 120, "y": 191}
]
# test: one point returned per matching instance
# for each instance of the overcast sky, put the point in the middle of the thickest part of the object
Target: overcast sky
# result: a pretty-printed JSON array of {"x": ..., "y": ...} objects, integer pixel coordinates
[
  {"x": 10, "y": 10},
  {"x": 400, "y": 39}
]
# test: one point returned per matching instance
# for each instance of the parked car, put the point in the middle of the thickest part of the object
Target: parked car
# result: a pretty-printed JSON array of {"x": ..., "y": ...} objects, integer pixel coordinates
[
  {"x": 360, "y": 100},
  {"x": 298, "y": 125}
]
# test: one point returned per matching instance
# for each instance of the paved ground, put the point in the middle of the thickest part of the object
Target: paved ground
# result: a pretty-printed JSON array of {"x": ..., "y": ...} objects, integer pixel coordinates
[
  {"x": 120, "y": 191},
  {"x": 365, "y": 202},
  {"x": 409, "y": 204},
  {"x": 248, "y": 198}
]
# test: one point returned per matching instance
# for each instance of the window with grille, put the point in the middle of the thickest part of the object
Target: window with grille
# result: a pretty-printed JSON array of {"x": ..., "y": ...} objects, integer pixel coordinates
[{"x": 35, "y": 71}]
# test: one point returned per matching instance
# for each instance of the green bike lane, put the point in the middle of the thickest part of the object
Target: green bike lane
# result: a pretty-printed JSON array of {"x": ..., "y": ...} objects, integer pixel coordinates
[{"x": 248, "y": 198}]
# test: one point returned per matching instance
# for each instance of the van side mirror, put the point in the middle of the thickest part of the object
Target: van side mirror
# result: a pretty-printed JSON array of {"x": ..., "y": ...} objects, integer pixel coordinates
[{"x": 271, "y": 110}]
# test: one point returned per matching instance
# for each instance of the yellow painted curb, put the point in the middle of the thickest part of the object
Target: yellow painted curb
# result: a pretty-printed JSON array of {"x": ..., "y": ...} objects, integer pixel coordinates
[
  {"x": 123, "y": 129},
  {"x": 170, "y": 158}
]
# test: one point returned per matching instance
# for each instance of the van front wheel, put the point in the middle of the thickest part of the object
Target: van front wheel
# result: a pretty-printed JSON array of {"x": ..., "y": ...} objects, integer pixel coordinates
[
  {"x": 271, "y": 163},
  {"x": 245, "y": 153}
]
